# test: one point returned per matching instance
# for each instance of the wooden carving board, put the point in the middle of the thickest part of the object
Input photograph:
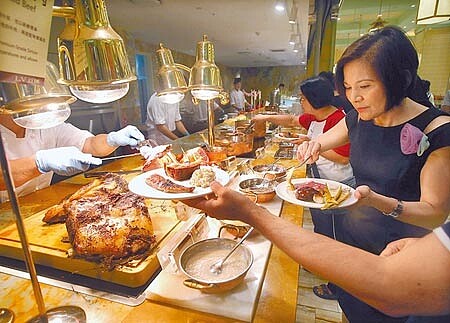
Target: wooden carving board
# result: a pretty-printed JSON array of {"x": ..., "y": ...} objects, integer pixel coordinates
[{"x": 49, "y": 250}]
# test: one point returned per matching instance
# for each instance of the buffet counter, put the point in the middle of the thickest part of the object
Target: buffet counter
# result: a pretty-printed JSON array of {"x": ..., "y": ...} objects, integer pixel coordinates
[{"x": 276, "y": 303}]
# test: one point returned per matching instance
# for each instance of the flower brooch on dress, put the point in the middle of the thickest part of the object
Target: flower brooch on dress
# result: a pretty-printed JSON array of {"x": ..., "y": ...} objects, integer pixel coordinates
[{"x": 413, "y": 140}]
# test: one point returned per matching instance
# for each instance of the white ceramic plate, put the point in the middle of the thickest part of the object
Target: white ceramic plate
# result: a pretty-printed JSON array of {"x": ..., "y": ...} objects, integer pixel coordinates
[
  {"x": 300, "y": 135},
  {"x": 286, "y": 194},
  {"x": 138, "y": 186}
]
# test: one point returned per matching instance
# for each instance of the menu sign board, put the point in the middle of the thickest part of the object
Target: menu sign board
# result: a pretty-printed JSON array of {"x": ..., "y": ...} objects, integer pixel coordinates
[{"x": 24, "y": 35}]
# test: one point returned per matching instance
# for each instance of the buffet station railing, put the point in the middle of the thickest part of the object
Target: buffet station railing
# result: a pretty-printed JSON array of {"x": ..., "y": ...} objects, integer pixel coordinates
[{"x": 154, "y": 289}]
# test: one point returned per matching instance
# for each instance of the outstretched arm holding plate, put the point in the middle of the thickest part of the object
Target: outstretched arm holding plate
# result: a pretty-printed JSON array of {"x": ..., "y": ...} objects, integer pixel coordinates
[{"x": 412, "y": 280}]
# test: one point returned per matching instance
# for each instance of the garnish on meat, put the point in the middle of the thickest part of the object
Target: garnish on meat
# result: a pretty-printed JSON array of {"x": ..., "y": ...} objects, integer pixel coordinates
[{"x": 163, "y": 184}]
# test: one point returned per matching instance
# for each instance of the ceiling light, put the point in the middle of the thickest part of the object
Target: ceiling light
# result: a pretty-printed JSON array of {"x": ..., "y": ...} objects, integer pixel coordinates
[
  {"x": 433, "y": 11},
  {"x": 92, "y": 57},
  {"x": 279, "y": 6}
]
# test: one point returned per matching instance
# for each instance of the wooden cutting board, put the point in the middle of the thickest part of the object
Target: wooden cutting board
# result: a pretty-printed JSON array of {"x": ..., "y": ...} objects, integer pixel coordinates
[{"x": 49, "y": 250}]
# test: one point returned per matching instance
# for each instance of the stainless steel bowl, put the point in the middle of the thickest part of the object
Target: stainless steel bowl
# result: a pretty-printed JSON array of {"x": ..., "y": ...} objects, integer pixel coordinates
[
  {"x": 208, "y": 246},
  {"x": 270, "y": 171},
  {"x": 262, "y": 188}
]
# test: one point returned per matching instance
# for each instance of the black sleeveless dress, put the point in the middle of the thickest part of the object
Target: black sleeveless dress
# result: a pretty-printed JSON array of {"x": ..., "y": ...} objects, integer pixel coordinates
[{"x": 378, "y": 161}]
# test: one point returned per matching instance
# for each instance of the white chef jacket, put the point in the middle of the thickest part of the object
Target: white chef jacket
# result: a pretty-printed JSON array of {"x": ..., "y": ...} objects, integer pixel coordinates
[
  {"x": 159, "y": 113},
  {"x": 63, "y": 135},
  {"x": 237, "y": 98}
]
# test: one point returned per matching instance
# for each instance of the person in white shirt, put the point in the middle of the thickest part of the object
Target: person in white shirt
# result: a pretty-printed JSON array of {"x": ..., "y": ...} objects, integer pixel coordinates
[
  {"x": 163, "y": 119},
  {"x": 35, "y": 154},
  {"x": 237, "y": 96}
]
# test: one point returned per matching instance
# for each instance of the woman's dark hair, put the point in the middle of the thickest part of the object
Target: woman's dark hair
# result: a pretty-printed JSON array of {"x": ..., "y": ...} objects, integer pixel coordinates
[
  {"x": 329, "y": 76},
  {"x": 318, "y": 91},
  {"x": 393, "y": 57}
]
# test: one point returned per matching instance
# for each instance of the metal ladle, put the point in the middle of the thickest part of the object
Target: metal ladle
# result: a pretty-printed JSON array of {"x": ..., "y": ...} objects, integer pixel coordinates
[{"x": 216, "y": 268}]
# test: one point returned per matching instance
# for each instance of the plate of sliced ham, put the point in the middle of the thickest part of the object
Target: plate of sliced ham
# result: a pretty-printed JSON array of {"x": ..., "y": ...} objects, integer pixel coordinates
[
  {"x": 156, "y": 184},
  {"x": 317, "y": 193}
]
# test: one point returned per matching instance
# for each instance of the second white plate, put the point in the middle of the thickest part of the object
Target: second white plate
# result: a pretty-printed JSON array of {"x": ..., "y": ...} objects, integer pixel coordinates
[{"x": 286, "y": 194}]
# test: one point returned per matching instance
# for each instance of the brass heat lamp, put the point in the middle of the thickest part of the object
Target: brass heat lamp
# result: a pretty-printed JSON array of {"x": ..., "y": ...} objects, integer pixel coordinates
[
  {"x": 205, "y": 82},
  {"x": 37, "y": 106},
  {"x": 171, "y": 82},
  {"x": 92, "y": 57}
]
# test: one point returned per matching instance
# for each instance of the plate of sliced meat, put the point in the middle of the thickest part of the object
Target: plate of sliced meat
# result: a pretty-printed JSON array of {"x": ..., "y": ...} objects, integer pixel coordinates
[
  {"x": 317, "y": 193},
  {"x": 156, "y": 184}
]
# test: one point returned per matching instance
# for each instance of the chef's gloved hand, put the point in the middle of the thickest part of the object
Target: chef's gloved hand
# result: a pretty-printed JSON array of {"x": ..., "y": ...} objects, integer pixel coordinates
[
  {"x": 65, "y": 161},
  {"x": 130, "y": 135},
  {"x": 146, "y": 151}
]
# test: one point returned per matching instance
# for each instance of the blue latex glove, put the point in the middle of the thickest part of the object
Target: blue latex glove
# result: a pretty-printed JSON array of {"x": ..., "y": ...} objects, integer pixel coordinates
[
  {"x": 65, "y": 161},
  {"x": 130, "y": 135}
]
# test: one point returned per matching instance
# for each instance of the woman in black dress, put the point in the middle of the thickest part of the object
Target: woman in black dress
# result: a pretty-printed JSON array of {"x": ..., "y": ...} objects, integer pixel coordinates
[{"x": 400, "y": 152}]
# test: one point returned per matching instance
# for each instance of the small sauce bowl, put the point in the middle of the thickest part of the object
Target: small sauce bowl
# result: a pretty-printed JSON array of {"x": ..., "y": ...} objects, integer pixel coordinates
[
  {"x": 270, "y": 171},
  {"x": 262, "y": 188}
]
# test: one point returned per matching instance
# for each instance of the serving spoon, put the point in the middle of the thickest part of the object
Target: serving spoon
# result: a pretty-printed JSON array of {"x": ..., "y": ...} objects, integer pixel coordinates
[{"x": 216, "y": 268}]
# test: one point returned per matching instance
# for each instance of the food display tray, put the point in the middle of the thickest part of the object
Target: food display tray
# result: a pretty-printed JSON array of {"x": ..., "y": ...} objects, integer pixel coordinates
[{"x": 48, "y": 248}]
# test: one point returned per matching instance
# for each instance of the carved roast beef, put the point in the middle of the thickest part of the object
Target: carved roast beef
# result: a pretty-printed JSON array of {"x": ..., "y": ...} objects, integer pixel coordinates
[{"x": 105, "y": 220}]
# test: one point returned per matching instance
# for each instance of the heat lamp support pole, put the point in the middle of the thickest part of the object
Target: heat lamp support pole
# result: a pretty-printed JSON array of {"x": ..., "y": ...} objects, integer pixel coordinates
[
  {"x": 210, "y": 105},
  {"x": 21, "y": 228}
]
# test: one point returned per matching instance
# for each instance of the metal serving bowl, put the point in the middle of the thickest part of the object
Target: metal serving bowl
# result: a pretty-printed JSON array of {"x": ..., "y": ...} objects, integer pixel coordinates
[
  {"x": 262, "y": 188},
  {"x": 205, "y": 248},
  {"x": 270, "y": 171}
]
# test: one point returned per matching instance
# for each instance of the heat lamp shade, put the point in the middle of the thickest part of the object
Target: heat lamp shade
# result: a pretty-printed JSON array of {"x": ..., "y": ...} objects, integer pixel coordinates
[
  {"x": 92, "y": 55},
  {"x": 34, "y": 106},
  {"x": 205, "y": 81},
  {"x": 171, "y": 82}
]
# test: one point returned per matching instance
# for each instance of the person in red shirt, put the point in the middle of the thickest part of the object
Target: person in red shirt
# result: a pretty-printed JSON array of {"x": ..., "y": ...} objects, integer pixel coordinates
[{"x": 319, "y": 116}]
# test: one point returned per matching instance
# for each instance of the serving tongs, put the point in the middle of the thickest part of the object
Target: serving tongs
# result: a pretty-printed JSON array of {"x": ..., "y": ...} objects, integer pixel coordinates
[
  {"x": 290, "y": 173},
  {"x": 249, "y": 128}
]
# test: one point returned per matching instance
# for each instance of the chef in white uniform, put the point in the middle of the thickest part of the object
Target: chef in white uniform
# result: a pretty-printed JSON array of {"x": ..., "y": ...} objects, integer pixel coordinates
[
  {"x": 237, "y": 96},
  {"x": 35, "y": 154},
  {"x": 163, "y": 119}
]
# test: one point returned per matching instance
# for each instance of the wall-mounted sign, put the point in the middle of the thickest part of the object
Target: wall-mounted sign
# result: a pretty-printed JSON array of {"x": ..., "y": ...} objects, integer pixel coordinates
[{"x": 24, "y": 35}]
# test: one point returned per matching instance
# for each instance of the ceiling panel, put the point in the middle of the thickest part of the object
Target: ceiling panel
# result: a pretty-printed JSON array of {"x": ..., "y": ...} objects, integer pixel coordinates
[{"x": 244, "y": 33}]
